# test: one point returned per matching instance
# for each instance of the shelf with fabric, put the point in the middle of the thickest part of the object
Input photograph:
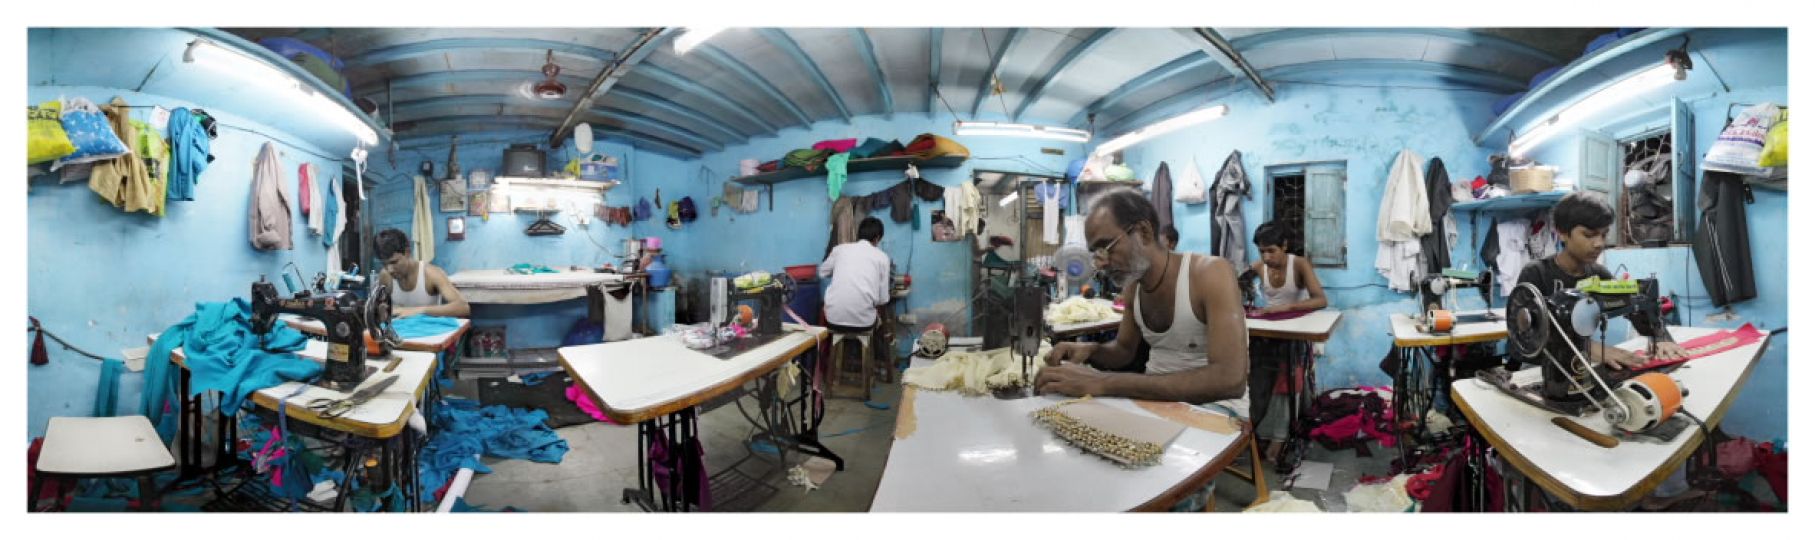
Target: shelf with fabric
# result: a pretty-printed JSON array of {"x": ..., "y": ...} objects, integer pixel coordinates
[
  {"x": 1512, "y": 203},
  {"x": 891, "y": 163}
]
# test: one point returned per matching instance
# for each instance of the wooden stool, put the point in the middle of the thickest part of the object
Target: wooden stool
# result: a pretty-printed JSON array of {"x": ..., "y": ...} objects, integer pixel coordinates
[
  {"x": 124, "y": 446},
  {"x": 838, "y": 349}
]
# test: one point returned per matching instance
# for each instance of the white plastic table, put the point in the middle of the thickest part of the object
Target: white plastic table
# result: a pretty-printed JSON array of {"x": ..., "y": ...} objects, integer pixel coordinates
[
  {"x": 1301, "y": 331},
  {"x": 1589, "y": 477},
  {"x": 982, "y": 454},
  {"x": 1315, "y": 326}
]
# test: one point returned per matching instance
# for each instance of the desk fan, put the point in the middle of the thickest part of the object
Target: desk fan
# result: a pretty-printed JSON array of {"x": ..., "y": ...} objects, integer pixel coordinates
[{"x": 1074, "y": 264}]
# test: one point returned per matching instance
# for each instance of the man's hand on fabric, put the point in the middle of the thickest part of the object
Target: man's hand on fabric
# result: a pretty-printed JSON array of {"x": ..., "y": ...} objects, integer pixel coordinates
[
  {"x": 1617, "y": 358},
  {"x": 1069, "y": 353},
  {"x": 1668, "y": 350},
  {"x": 408, "y": 312},
  {"x": 1072, "y": 380}
]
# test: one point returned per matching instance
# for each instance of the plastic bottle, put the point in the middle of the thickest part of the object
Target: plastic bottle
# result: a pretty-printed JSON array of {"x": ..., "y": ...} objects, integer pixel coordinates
[{"x": 658, "y": 272}]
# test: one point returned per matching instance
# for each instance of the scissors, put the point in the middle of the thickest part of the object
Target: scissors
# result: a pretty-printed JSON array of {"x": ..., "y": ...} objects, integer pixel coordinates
[{"x": 329, "y": 408}]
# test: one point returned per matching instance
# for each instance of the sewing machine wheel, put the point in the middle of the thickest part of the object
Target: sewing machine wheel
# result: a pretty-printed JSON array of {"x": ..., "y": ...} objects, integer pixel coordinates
[{"x": 1527, "y": 325}]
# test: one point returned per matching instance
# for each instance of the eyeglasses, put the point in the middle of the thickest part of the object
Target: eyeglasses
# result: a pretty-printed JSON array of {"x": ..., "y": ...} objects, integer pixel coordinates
[{"x": 1103, "y": 252}]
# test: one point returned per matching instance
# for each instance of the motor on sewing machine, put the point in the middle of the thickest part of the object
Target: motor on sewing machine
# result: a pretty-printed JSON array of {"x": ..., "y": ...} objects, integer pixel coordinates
[
  {"x": 1557, "y": 333},
  {"x": 1433, "y": 316},
  {"x": 357, "y": 329},
  {"x": 771, "y": 296}
]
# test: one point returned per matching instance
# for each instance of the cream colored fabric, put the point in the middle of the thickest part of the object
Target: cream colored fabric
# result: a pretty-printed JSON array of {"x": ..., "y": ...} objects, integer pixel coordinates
[
  {"x": 422, "y": 227},
  {"x": 973, "y": 373},
  {"x": 1387, "y": 496},
  {"x": 1078, "y": 309},
  {"x": 1284, "y": 502}
]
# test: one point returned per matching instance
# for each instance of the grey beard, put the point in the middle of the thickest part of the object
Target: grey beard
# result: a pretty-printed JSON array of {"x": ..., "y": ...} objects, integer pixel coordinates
[{"x": 1138, "y": 268}]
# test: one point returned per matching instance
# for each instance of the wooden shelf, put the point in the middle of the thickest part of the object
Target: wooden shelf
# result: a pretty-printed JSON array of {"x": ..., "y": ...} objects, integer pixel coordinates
[
  {"x": 855, "y": 166},
  {"x": 1511, "y": 203}
]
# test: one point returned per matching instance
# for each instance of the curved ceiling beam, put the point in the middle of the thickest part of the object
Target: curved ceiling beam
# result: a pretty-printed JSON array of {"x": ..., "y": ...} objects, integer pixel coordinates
[
  {"x": 430, "y": 138},
  {"x": 437, "y": 78},
  {"x": 788, "y": 46},
  {"x": 1227, "y": 56},
  {"x": 867, "y": 51},
  {"x": 1256, "y": 41},
  {"x": 425, "y": 48},
  {"x": 995, "y": 61},
  {"x": 464, "y": 124},
  {"x": 645, "y": 44},
  {"x": 427, "y": 108},
  {"x": 1184, "y": 64},
  {"x": 1085, "y": 47},
  {"x": 659, "y": 103},
  {"x": 937, "y": 43},
  {"x": 753, "y": 79},
  {"x": 717, "y": 98}
]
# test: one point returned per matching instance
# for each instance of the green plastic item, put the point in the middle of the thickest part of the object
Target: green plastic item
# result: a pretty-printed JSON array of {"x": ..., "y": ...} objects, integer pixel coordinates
[
  {"x": 1595, "y": 285},
  {"x": 1467, "y": 275}
]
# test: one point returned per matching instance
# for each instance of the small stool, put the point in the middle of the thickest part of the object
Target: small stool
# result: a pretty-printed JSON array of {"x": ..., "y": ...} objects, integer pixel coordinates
[
  {"x": 838, "y": 349},
  {"x": 123, "y": 446}
]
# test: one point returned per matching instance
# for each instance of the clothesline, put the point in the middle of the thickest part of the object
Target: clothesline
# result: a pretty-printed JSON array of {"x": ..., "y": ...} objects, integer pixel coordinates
[
  {"x": 273, "y": 138},
  {"x": 37, "y": 327}
]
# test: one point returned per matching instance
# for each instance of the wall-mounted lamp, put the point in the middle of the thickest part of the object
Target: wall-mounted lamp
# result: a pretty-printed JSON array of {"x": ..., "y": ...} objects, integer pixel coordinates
[
  {"x": 963, "y": 128},
  {"x": 1161, "y": 128},
  {"x": 205, "y": 52},
  {"x": 1600, "y": 100},
  {"x": 1679, "y": 58}
]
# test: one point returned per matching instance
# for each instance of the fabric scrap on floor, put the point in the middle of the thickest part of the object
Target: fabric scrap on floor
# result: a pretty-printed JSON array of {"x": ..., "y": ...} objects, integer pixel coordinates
[
  {"x": 584, "y": 402},
  {"x": 222, "y": 353},
  {"x": 1284, "y": 502},
  {"x": 1389, "y": 496},
  {"x": 466, "y": 429},
  {"x": 421, "y": 326}
]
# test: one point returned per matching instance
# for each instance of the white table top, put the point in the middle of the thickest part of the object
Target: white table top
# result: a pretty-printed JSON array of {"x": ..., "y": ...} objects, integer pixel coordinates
[
  {"x": 1062, "y": 331},
  {"x": 1591, "y": 477},
  {"x": 434, "y": 343},
  {"x": 381, "y": 417},
  {"x": 639, "y": 379},
  {"x": 1405, "y": 333},
  {"x": 102, "y": 446},
  {"x": 984, "y": 454},
  {"x": 1313, "y": 326}
]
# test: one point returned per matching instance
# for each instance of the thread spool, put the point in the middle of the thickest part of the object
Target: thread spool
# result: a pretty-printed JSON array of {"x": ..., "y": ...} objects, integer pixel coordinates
[
  {"x": 290, "y": 283},
  {"x": 1441, "y": 320}
]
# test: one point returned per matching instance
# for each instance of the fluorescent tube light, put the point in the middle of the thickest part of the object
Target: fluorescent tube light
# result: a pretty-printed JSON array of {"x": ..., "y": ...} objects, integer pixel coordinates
[
  {"x": 1601, "y": 100},
  {"x": 1030, "y": 131},
  {"x": 693, "y": 37},
  {"x": 1161, "y": 128},
  {"x": 235, "y": 64},
  {"x": 1012, "y": 195}
]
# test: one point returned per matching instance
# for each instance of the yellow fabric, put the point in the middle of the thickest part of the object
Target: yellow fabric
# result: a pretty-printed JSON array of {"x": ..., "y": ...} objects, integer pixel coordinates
[
  {"x": 974, "y": 373},
  {"x": 154, "y": 151},
  {"x": 1777, "y": 145},
  {"x": 45, "y": 138},
  {"x": 422, "y": 227},
  {"x": 123, "y": 181},
  {"x": 1078, "y": 309}
]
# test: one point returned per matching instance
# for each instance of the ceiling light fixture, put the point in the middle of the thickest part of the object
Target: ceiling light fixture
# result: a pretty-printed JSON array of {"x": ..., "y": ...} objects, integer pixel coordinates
[
  {"x": 1600, "y": 100},
  {"x": 693, "y": 37},
  {"x": 1678, "y": 58},
  {"x": 228, "y": 61},
  {"x": 1161, "y": 128},
  {"x": 1003, "y": 129}
]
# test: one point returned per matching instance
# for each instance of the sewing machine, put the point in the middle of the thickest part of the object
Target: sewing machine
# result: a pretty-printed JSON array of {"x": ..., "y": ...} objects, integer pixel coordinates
[
  {"x": 356, "y": 329},
  {"x": 1433, "y": 317},
  {"x": 1558, "y": 332},
  {"x": 1026, "y": 329},
  {"x": 723, "y": 298}
]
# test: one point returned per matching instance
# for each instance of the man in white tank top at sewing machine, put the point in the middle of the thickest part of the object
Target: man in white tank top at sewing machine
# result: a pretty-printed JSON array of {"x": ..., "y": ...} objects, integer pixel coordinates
[
  {"x": 417, "y": 287},
  {"x": 1185, "y": 306},
  {"x": 1289, "y": 284}
]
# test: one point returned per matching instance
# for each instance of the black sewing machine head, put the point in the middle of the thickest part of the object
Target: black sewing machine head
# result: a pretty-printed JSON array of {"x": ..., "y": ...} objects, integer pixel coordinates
[
  {"x": 770, "y": 299},
  {"x": 347, "y": 318},
  {"x": 1556, "y": 332},
  {"x": 1433, "y": 287}
]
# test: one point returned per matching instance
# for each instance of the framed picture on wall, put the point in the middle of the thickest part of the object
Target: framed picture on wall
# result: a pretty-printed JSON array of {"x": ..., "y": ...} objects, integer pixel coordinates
[
  {"x": 456, "y": 228},
  {"x": 453, "y": 195},
  {"x": 479, "y": 204}
]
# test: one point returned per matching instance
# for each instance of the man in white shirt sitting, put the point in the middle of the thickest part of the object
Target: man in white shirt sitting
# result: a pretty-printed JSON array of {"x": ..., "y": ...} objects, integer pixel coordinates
[{"x": 859, "y": 280}]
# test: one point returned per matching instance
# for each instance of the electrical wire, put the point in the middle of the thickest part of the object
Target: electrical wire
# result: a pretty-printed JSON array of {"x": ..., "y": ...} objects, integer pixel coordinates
[{"x": 35, "y": 326}]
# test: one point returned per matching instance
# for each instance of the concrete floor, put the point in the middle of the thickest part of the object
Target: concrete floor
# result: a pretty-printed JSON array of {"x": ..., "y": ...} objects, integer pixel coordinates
[{"x": 602, "y": 462}]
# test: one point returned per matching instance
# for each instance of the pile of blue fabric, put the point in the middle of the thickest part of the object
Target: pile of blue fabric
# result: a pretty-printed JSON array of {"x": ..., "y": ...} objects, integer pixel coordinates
[
  {"x": 465, "y": 429},
  {"x": 222, "y": 354},
  {"x": 418, "y": 326}
]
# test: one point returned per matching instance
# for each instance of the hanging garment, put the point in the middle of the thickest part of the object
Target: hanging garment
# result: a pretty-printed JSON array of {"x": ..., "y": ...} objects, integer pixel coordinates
[
  {"x": 970, "y": 209},
  {"x": 836, "y": 175},
  {"x": 927, "y": 191},
  {"x": 1541, "y": 239},
  {"x": 155, "y": 152},
  {"x": 189, "y": 143},
  {"x": 422, "y": 226},
  {"x": 270, "y": 209},
  {"x": 1227, "y": 235},
  {"x": 1049, "y": 217},
  {"x": 221, "y": 353},
  {"x": 123, "y": 181},
  {"x": 317, "y": 211},
  {"x": 1489, "y": 250},
  {"x": 332, "y": 220},
  {"x": 1436, "y": 244},
  {"x": 845, "y": 213},
  {"x": 1162, "y": 196},
  {"x": 303, "y": 190},
  {"x": 1404, "y": 217},
  {"x": 1191, "y": 184},
  {"x": 1398, "y": 263},
  {"x": 1512, "y": 236},
  {"x": 1723, "y": 248}
]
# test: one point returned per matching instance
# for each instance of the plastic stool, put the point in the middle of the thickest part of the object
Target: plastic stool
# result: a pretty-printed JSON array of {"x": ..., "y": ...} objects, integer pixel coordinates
[
  {"x": 838, "y": 344},
  {"x": 124, "y": 446}
]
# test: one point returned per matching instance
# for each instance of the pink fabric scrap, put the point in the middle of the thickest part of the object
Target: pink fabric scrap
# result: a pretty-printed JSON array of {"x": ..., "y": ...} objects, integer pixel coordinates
[
  {"x": 584, "y": 402},
  {"x": 836, "y": 145}
]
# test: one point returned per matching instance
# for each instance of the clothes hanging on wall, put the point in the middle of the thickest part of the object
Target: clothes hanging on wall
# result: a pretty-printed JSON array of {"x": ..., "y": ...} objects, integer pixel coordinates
[
  {"x": 1511, "y": 239},
  {"x": 1404, "y": 217},
  {"x": 1437, "y": 244},
  {"x": 1049, "y": 217},
  {"x": 836, "y": 166},
  {"x": 965, "y": 205},
  {"x": 845, "y": 214},
  {"x": 189, "y": 142},
  {"x": 1227, "y": 233},
  {"x": 270, "y": 209},
  {"x": 123, "y": 181},
  {"x": 1723, "y": 247},
  {"x": 1191, "y": 184},
  {"x": 1162, "y": 196},
  {"x": 422, "y": 225}
]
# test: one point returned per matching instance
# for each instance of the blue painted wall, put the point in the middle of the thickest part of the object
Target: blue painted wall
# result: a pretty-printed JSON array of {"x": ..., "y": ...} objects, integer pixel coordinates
[
  {"x": 498, "y": 241},
  {"x": 1754, "y": 64},
  {"x": 1364, "y": 122},
  {"x": 103, "y": 279},
  {"x": 795, "y": 232}
]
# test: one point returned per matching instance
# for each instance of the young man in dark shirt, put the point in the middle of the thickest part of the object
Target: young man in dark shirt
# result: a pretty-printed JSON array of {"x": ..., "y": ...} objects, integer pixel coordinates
[{"x": 1582, "y": 220}]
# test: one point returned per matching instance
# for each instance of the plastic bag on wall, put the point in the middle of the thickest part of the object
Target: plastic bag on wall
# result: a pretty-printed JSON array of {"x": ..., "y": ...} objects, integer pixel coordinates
[
  {"x": 1776, "y": 152},
  {"x": 1741, "y": 143}
]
